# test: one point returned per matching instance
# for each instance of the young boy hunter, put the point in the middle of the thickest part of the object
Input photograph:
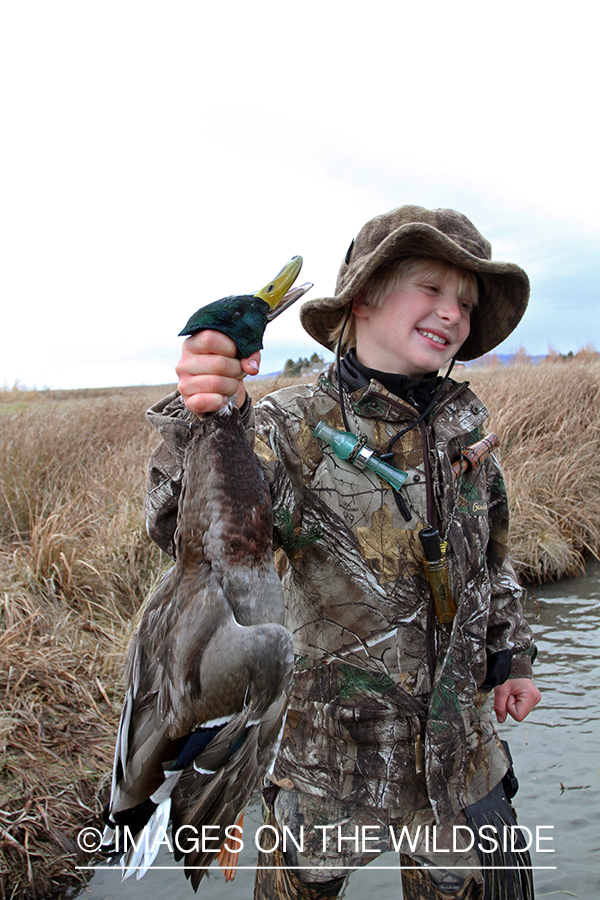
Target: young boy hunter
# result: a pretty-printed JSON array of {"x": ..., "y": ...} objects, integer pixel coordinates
[{"x": 390, "y": 718}]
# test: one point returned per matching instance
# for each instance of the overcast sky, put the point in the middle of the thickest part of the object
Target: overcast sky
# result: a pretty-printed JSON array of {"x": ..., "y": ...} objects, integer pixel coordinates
[{"x": 157, "y": 156}]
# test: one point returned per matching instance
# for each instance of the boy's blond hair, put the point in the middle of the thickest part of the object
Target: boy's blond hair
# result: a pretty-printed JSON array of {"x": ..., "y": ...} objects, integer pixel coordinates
[{"x": 387, "y": 278}]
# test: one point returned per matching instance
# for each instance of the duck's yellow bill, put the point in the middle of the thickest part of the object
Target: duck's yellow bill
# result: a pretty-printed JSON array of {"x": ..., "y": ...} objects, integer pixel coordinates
[{"x": 278, "y": 294}]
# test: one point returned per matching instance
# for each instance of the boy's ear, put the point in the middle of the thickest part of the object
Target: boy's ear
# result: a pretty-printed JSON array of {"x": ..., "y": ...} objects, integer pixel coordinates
[{"x": 359, "y": 307}]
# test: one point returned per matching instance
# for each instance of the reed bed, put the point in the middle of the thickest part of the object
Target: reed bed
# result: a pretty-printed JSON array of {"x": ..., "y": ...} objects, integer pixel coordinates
[
  {"x": 76, "y": 564},
  {"x": 548, "y": 419}
]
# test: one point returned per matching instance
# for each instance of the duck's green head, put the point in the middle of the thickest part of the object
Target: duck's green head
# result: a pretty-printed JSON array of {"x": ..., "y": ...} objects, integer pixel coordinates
[{"x": 244, "y": 317}]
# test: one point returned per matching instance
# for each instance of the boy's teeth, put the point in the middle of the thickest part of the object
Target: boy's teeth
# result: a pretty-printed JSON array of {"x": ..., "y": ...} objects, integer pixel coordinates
[{"x": 433, "y": 337}]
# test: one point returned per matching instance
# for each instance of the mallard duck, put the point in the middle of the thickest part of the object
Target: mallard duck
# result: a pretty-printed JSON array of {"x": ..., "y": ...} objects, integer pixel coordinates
[{"x": 210, "y": 667}]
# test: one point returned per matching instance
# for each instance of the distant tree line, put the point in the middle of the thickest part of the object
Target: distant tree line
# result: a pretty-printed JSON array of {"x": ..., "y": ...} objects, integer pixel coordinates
[
  {"x": 521, "y": 357},
  {"x": 294, "y": 368}
]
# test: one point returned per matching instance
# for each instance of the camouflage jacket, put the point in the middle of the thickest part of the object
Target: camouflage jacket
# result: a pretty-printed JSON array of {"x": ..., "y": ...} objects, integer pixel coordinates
[{"x": 385, "y": 709}]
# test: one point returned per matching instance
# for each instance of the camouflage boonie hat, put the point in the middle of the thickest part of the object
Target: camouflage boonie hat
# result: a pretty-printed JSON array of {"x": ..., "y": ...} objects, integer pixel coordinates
[{"x": 440, "y": 233}]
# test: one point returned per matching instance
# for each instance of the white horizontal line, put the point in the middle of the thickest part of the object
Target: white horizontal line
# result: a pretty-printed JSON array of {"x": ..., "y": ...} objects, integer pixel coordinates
[{"x": 369, "y": 866}]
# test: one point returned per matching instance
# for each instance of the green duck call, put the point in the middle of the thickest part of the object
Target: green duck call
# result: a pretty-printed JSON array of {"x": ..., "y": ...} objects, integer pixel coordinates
[{"x": 347, "y": 446}]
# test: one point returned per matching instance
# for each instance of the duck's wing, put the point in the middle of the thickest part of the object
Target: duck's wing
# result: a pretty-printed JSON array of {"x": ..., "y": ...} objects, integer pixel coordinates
[
  {"x": 142, "y": 742},
  {"x": 202, "y": 717},
  {"x": 158, "y": 709}
]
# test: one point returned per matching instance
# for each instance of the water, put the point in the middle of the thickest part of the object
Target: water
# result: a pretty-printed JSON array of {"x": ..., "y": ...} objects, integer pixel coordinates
[{"x": 557, "y": 757}]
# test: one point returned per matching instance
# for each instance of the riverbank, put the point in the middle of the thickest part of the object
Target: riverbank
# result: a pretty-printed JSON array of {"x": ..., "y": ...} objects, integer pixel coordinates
[{"x": 76, "y": 564}]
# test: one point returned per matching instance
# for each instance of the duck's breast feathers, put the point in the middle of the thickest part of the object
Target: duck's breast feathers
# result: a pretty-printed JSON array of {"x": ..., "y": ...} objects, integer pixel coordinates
[{"x": 225, "y": 506}]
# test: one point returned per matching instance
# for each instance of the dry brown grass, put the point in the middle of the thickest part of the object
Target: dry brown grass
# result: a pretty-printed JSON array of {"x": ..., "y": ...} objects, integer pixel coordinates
[
  {"x": 548, "y": 419},
  {"x": 75, "y": 565}
]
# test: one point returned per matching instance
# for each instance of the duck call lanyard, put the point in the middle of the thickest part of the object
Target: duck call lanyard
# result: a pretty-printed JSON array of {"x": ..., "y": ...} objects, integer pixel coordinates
[
  {"x": 361, "y": 441},
  {"x": 352, "y": 446}
]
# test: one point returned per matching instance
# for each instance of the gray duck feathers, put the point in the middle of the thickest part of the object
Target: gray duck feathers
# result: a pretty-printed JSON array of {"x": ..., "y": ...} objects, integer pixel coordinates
[{"x": 210, "y": 667}]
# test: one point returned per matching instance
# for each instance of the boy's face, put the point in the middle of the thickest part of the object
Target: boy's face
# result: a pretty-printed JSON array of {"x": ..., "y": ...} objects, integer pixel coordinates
[{"x": 419, "y": 327}]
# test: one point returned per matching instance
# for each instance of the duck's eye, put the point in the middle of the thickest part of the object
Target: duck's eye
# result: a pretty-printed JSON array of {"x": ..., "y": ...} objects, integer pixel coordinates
[{"x": 237, "y": 314}]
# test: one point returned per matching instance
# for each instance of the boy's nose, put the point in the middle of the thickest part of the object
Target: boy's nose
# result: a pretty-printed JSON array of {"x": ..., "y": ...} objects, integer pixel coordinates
[{"x": 448, "y": 309}]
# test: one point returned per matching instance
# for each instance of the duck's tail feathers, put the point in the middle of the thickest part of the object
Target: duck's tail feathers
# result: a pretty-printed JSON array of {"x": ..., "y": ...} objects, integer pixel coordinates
[
  {"x": 136, "y": 834},
  {"x": 142, "y": 853}
]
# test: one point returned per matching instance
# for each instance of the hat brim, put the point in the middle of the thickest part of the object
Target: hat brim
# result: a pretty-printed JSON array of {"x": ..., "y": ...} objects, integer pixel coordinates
[{"x": 504, "y": 290}]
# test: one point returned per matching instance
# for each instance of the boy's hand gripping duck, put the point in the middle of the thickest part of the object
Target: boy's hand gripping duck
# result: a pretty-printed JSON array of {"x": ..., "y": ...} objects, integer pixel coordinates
[{"x": 210, "y": 667}]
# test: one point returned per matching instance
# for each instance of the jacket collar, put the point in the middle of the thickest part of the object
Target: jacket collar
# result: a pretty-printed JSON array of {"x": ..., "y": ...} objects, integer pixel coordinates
[
  {"x": 374, "y": 401},
  {"x": 417, "y": 391}
]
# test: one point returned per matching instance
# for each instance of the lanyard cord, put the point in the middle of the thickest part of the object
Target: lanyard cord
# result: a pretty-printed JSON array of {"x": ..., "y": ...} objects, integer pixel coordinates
[
  {"x": 389, "y": 453},
  {"x": 338, "y": 362}
]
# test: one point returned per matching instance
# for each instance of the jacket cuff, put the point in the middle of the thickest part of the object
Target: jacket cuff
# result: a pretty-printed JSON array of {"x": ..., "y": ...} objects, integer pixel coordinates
[{"x": 522, "y": 663}]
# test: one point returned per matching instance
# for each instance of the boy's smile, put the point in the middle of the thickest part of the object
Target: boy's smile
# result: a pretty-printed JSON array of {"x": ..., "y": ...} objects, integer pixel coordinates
[{"x": 419, "y": 327}]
